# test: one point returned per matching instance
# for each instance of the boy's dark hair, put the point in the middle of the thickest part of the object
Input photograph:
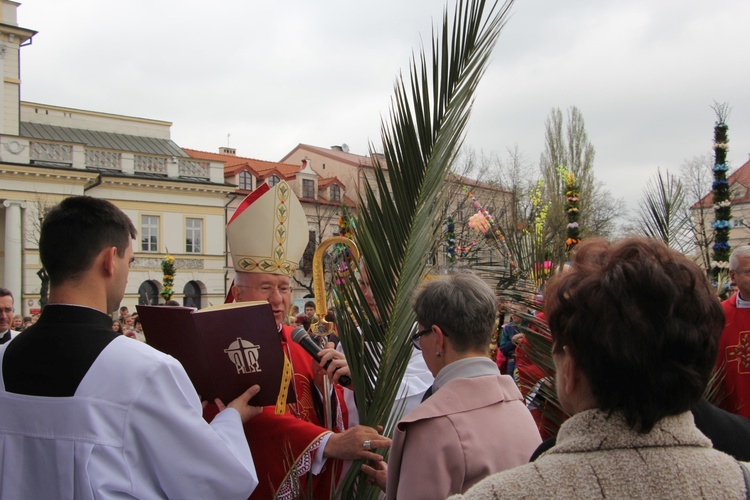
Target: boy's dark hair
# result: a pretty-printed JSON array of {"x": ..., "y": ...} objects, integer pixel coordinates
[{"x": 76, "y": 231}]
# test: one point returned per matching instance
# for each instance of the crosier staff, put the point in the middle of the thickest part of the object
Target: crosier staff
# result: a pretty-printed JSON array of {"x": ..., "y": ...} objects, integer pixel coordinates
[{"x": 321, "y": 328}]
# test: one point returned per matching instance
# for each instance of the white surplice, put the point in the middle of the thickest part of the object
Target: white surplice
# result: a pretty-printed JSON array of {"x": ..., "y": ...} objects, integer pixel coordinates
[{"x": 133, "y": 429}]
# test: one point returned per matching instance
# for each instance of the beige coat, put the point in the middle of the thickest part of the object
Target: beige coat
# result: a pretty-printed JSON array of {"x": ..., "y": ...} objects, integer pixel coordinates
[
  {"x": 468, "y": 429},
  {"x": 598, "y": 457}
]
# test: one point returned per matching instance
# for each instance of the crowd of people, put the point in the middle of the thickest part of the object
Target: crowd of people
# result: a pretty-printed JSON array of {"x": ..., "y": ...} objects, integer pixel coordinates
[{"x": 636, "y": 331}]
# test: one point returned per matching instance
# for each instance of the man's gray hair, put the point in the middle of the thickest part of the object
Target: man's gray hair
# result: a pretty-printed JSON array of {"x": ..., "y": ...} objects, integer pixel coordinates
[
  {"x": 742, "y": 251},
  {"x": 462, "y": 305}
]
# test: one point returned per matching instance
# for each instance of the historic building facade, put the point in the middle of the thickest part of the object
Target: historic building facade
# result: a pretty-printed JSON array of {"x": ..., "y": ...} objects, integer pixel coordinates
[{"x": 49, "y": 152}]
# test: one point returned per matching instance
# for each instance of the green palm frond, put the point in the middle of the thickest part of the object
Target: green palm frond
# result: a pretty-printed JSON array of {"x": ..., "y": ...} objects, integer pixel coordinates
[
  {"x": 397, "y": 224},
  {"x": 663, "y": 214}
]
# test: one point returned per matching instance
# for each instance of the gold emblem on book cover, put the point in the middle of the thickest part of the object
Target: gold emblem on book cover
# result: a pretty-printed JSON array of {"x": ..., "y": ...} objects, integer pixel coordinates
[{"x": 245, "y": 356}]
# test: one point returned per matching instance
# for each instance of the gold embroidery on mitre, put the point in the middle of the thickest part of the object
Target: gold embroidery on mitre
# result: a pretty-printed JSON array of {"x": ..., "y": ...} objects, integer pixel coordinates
[
  {"x": 270, "y": 233},
  {"x": 740, "y": 353},
  {"x": 282, "y": 215},
  {"x": 262, "y": 265}
]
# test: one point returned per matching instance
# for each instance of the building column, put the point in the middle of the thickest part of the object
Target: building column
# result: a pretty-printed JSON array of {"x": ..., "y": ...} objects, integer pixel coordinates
[{"x": 13, "y": 250}]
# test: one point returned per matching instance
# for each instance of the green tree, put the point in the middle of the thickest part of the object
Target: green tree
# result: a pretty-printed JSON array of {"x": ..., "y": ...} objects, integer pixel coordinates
[{"x": 568, "y": 145}]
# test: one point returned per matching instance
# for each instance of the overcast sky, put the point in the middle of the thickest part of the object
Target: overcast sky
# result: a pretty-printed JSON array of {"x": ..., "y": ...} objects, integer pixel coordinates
[{"x": 273, "y": 74}]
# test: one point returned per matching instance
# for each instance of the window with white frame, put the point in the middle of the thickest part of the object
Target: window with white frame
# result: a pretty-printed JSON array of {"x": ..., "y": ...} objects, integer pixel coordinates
[
  {"x": 246, "y": 181},
  {"x": 273, "y": 180},
  {"x": 738, "y": 222},
  {"x": 335, "y": 193},
  {"x": 149, "y": 233},
  {"x": 308, "y": 189},
  {"x": 193, "y": 235}
]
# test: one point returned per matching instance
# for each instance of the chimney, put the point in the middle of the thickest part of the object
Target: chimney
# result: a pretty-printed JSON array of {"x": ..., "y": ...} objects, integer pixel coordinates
[{"x": 227, "y": 151}]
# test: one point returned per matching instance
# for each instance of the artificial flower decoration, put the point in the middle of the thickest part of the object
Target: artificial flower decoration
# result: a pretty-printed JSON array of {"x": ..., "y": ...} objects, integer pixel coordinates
[
  {"x": 478, "y": 222},
  {"x": 572, "y": 198},
  {"x": 450, "y": 240},
  {"x": 167, "y": 268},
  {"x": 492, "y": 230},
  {"x": 721, "y": 197}
]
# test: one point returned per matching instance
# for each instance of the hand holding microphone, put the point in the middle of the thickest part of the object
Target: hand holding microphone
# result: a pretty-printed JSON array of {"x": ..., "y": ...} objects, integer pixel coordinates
[{"x": 300, "y": 336}]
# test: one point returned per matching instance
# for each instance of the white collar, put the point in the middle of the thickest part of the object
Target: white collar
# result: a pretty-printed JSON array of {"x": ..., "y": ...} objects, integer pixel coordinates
[{"x": 742, "y": 304}]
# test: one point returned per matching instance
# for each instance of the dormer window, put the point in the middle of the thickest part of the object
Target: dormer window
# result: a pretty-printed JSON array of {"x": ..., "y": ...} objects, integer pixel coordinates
[
  {"x": 273, "y": 180},
  {"x": 335, "y": 193},
  {"x": 308, "y": 189},
  {"x": 246, "y": 181}
]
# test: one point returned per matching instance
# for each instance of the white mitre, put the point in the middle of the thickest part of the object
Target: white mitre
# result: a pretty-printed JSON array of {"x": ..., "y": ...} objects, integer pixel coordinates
[{"x": 268, "y": 232}]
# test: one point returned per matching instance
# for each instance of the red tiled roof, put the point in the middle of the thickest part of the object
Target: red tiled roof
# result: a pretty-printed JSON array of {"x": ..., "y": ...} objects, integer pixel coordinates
[
  {"x": 740, "y": 176},
  {"x": 324, "y": 201},
  {"x": 259, "y": 168},
  {"x": 324, "y": 182},
  {"x": 263, "y": 169}
]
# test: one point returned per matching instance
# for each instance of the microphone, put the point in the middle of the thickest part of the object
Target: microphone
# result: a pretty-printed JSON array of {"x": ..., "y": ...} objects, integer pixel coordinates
[{"x": 300, "y": 336}]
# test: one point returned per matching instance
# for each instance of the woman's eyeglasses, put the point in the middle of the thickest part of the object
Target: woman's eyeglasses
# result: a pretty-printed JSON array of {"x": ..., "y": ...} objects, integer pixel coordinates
[{"x": 416, "y": 337}]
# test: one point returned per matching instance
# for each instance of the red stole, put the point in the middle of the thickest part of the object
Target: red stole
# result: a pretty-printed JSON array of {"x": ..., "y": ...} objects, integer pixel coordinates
[
  {"x": 734, "y": 357},
  {"x": 284, "y": 446}
]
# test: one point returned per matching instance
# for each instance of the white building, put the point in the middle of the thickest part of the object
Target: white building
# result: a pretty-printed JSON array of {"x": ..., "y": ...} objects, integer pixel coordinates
[{"x": 49, "y": 152}]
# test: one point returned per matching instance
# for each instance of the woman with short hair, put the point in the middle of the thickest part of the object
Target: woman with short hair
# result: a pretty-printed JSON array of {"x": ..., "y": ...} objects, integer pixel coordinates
[
  {"x": 635, "y": 328},
  {"x": 450, "y": 441}
]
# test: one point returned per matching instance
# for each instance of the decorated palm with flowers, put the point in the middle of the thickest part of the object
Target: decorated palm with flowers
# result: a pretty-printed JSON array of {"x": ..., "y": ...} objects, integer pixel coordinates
[
  {"x": 479, "y": 222},
  {"x": 482, "y": 222},
  {"x": 572, "y": 208},
  {"x": 722, "y": 204},
  {"x": 450, "y": 240},
  {"x": 341, "y": 257},
  {"x": 167, "y": 268}
]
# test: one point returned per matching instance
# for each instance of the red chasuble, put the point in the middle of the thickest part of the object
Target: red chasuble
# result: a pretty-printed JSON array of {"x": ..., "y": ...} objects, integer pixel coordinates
[
  {"x": 734, "y": 358},
  {"x": 284, "y": 446}
]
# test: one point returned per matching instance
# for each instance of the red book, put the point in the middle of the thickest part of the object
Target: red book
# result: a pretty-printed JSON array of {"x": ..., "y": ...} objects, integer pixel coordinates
[{"x": 224, "y": 349}]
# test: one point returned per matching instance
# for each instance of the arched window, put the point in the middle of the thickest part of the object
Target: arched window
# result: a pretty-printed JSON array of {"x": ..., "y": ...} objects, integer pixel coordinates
[
  {"x": 246, "y": 181},
  {"x": 192, "y": 293},
  {"x": 148, "y": 294},
  {"x": 273, "y": 180}
]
